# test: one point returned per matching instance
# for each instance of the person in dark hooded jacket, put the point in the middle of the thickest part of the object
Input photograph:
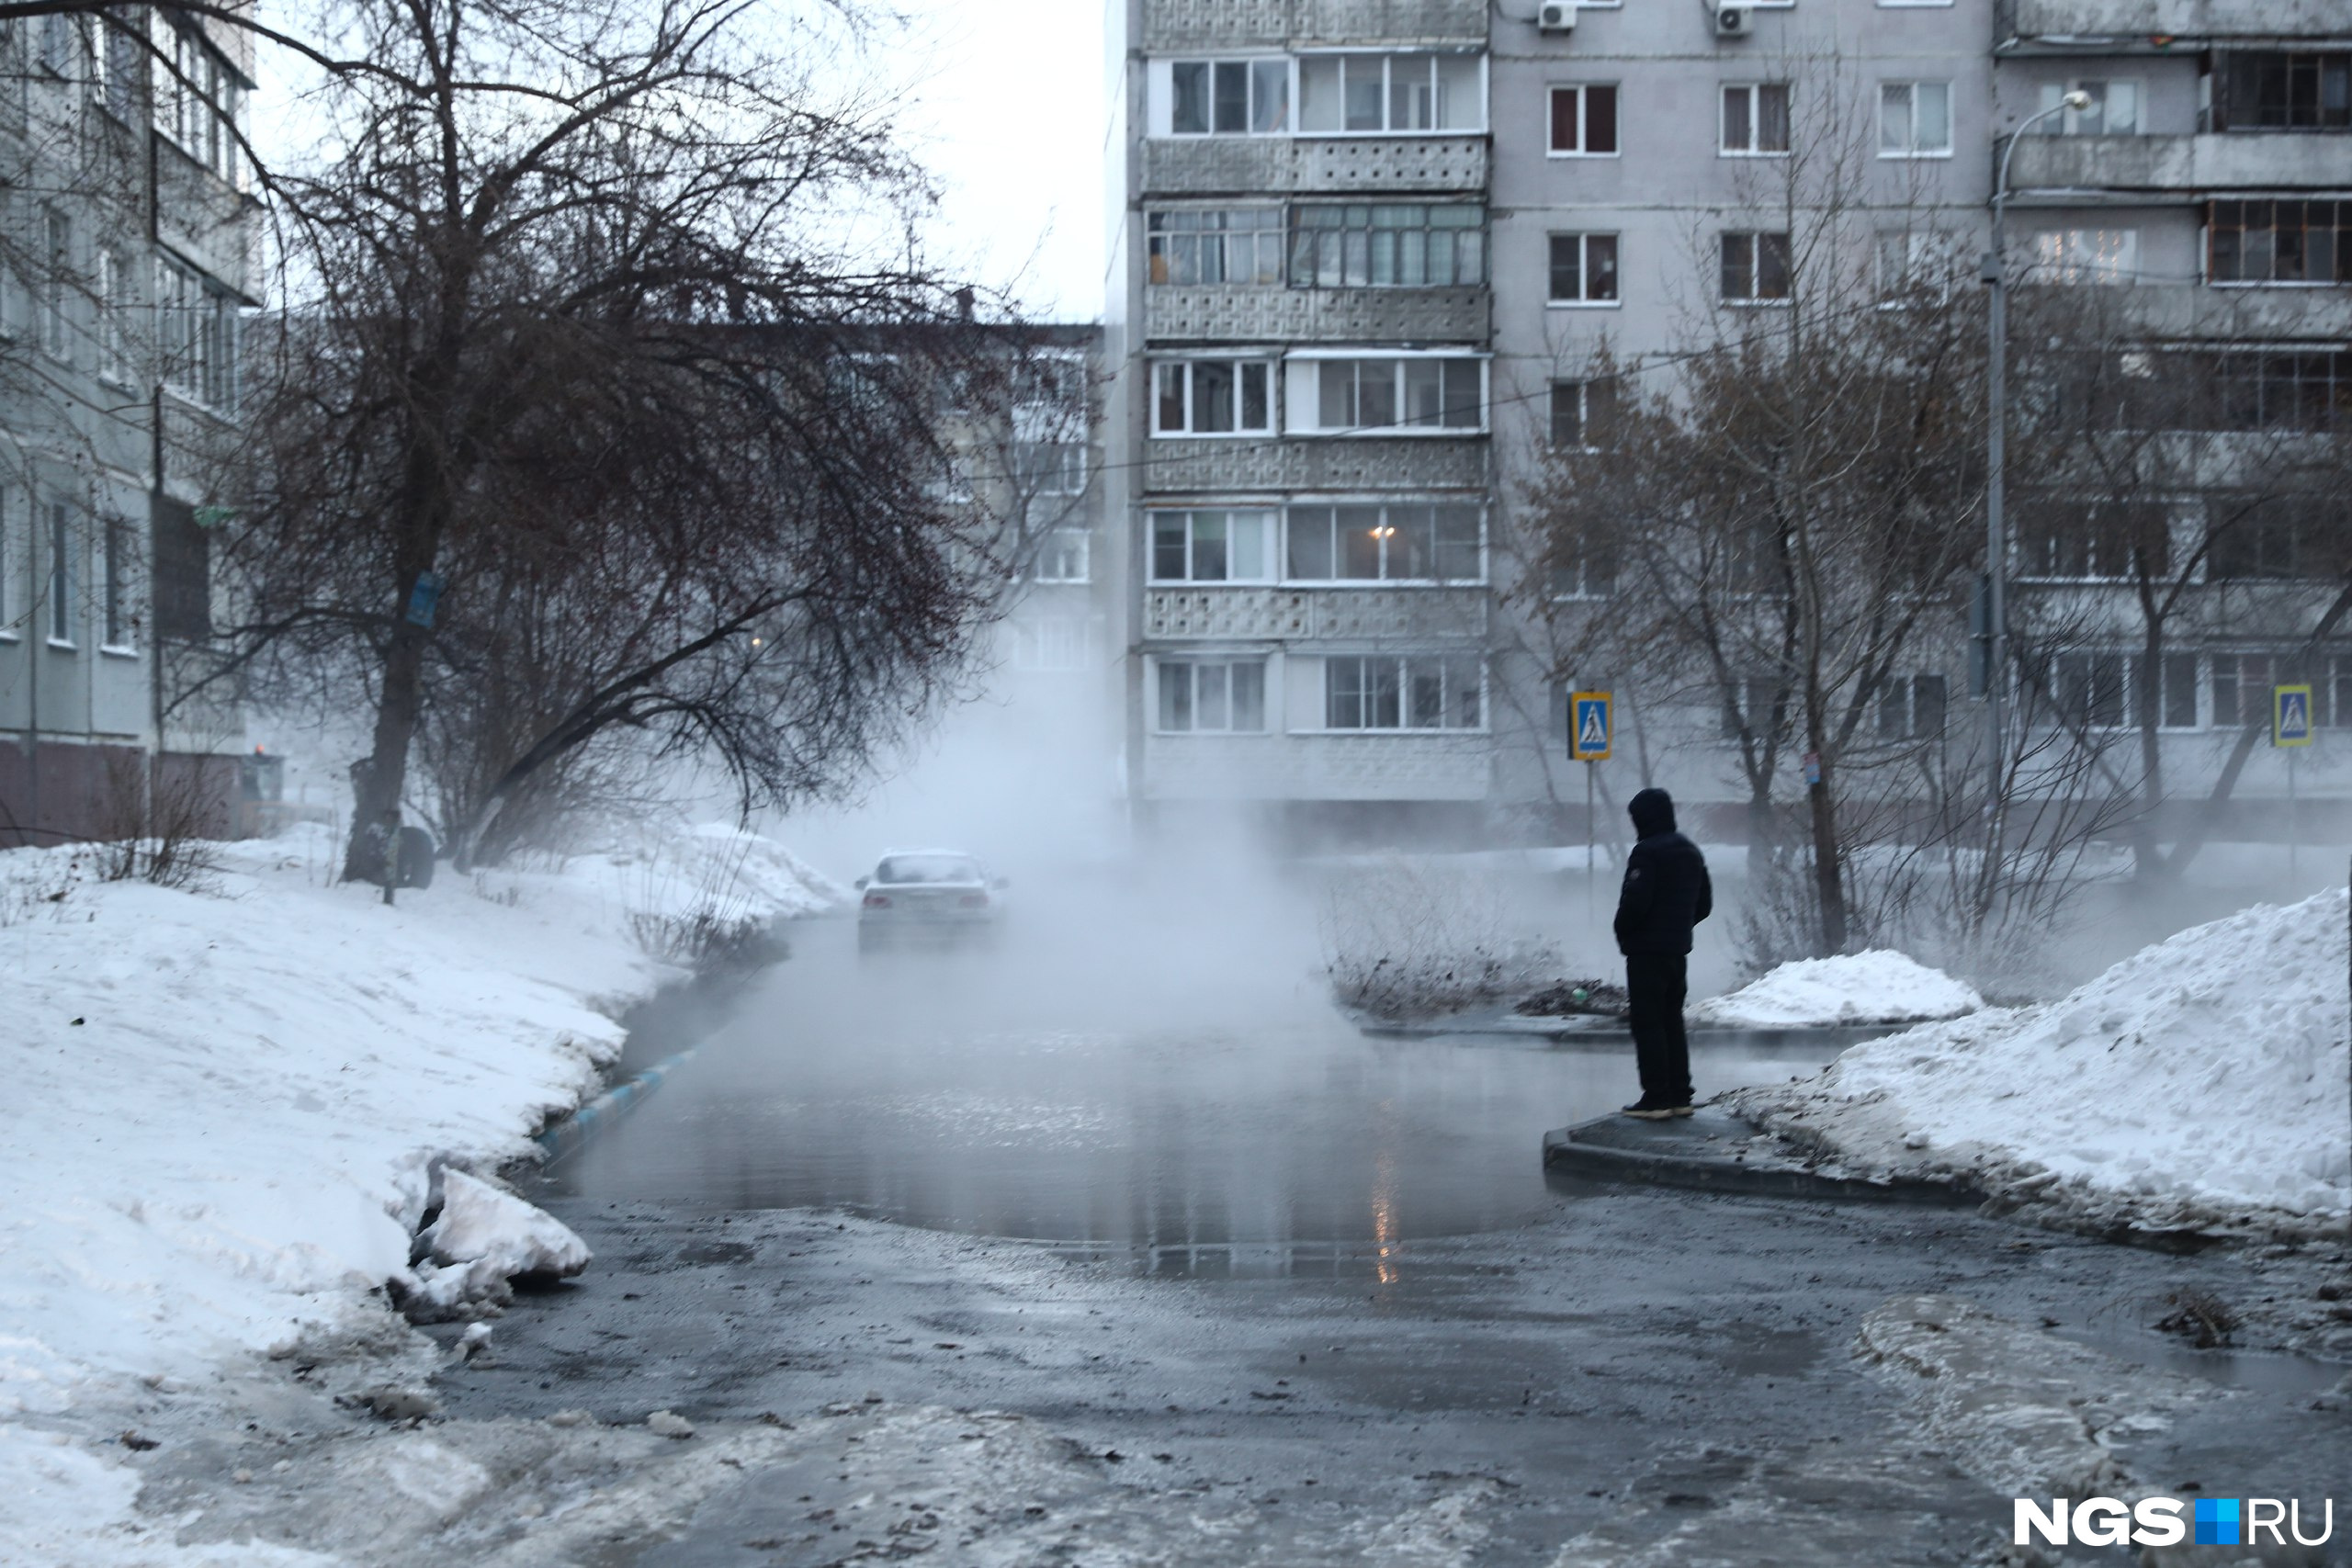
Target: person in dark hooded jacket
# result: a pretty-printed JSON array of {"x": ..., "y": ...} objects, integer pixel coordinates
[{"x": 1666, "y": 894}]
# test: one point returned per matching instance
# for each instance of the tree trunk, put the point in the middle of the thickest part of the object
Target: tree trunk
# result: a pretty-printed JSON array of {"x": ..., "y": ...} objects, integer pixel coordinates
[
  {"x": 380, "y": 780},
  {"x": 1828, "y": 876}
]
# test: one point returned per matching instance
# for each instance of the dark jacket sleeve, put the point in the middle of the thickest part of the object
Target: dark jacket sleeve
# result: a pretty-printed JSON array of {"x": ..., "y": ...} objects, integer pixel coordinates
[
  {"x": 1634, "y": 898},
  {"x": 1707, "y": 892}
]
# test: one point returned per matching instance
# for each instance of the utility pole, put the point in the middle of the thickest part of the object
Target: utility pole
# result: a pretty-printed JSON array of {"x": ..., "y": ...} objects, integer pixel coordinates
[{"x": 1996, "y": 528}]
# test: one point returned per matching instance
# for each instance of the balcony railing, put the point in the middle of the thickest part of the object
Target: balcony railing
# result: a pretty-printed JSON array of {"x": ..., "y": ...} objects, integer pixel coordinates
[
  {"x": 2135, "y": 26},
  {"x": 1336, "y": 464},
  {"x": 1241, "y": 313},
  {"x": 1280, "y": 165},
  {"x": 2186, "y": 166},
  {"x": 1196, "y": 24}
]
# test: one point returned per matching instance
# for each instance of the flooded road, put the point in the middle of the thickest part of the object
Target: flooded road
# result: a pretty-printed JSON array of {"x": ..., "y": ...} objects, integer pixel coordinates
[{"x": 1044, "y": 1090}]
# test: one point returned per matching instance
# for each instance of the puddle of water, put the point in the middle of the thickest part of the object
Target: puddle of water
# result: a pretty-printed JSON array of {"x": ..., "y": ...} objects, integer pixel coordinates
[
  {"x": 2258, "y": 1372},
  {"x": 922, "y": 1093}
]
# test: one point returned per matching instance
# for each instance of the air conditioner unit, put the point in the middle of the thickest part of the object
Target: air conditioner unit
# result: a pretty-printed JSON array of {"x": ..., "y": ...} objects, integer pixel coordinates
[
  {"x": 1733, "y": 21},
  {"x": 1556, "y": 17}
]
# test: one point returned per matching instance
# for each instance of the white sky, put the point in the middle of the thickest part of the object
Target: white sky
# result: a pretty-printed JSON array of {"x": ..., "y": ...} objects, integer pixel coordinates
[
  {"x": 1006, "y": 107},
  {"x": 1002, "y": 101}
]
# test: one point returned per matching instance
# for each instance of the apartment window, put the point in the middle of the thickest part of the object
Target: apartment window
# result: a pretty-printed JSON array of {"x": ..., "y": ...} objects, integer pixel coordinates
[
  {"x": 1049, "y": 468},
  {"x": 1213, "y": 545},
  {"x": 1399, "y": 245},
  {"x": 1064, "y": 557},
  {"x": 1234, "y": 245},
  {"x": 1053, "y": 643},
  {"x": 2332, "y": 692},
  {"x": 2087, "y": 689},
  {"x": 199, "y": 103},
  {"x": 2086, "y": 256},
  {"x": 1212, "y": 695},
  {"x": 2114, "y": 109},
  {"x": 13, "y": 547},
  {"x": 125, "y": 64},
  {"x": 195, "y": 331},
  {"x": 1583, "y": 414},
  {"x": 1912, "y": 266},
  {"x": 114, "y": 586},
  {"x": 1911, "y": 709},
  {"x": 1340, "y": 93},
  {"x": 2284, "y": 90},
  {"x": 1754, "y": 705},
  {"x": 2296, "y": 389},
  {"x": 57, "y": 254},
  {"x": 1755, "y": 267},
  {"x": 2242, "y": 683},
  {"x": 1211, "y": 397},
  {"x": 1228, "y": 97},
  {"x": 1378, "y": 396},
  {"x": 1584, "y": 269},
  {"x": 2092, "y": 541},
  {"x": 1416, "y": 542},
  {"x": 114, "y": 360},
  {"x": 1755, "y": 118},
  {"x": 60, "y": 573},
  {"x": 1583, "y": 568},
  {"x": 1413, "y": 692},
  {"x": 1914, "y": 119},
  {"x": 2276, "y": 537},
  {"x": 2279, "y": 241},
  {"x": 60, "y": 40},
  {"x": 1584, "y": 121}
]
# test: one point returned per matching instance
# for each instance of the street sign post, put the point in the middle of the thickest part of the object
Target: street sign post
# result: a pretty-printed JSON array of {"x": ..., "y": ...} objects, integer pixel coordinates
[
  {"x": 1593, "y": 725},
  {"x": 2290, "y": 728}
]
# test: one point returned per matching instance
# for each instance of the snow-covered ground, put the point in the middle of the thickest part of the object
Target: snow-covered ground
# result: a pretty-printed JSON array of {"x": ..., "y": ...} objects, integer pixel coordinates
[
  {"x": 227, "y": 1109},
  {"x": 2201, "y": 1084},
  {"x": 1880, "y": 987}
]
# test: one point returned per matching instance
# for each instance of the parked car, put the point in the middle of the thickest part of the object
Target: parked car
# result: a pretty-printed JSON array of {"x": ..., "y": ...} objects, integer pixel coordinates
[{"x": 928, "y": 897}]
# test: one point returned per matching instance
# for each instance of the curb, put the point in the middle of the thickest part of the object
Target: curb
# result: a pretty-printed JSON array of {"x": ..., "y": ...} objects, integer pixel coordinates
[
  {"x": 1581, "y": 1152},
  {"x": 560, "y": 1137}
]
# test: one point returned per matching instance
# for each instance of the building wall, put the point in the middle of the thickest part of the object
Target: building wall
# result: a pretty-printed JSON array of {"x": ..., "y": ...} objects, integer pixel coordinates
[{"x": 124, "y": 261}]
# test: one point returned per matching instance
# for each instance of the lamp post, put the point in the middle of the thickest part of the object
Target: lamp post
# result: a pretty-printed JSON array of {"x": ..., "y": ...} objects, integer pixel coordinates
[{"x": 1996, "y": 527}]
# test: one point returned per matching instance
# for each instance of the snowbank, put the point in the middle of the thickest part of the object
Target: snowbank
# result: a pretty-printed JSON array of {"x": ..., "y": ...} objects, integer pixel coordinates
[
  {"x": 1857, "y": 987},
  {"x": 226, "y": 1107},
  {"x": 714, "y": 870},
  {"x": 2199, "y": 1084}
]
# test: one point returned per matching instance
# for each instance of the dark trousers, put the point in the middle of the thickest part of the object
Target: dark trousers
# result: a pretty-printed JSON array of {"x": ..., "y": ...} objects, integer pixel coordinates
[{"x": 1656, "y": 984}]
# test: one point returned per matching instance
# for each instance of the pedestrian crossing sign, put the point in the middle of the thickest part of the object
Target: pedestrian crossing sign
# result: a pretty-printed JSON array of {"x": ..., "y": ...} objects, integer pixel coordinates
[
  {"x": 1592, "y": 720},
  {"x": 2291, "y": 715}
]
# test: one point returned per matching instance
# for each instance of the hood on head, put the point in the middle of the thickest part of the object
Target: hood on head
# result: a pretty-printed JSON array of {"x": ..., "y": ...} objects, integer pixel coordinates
[{"x": 1653, "y": 813}]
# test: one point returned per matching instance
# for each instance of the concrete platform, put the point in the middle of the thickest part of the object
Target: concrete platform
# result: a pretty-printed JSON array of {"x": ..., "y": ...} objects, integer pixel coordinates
[{"x": 1715, "y": 1151}]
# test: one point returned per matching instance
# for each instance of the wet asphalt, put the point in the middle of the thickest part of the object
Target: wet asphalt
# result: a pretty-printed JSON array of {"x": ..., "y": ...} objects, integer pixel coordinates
[{"x": 1247, "y": 1265}]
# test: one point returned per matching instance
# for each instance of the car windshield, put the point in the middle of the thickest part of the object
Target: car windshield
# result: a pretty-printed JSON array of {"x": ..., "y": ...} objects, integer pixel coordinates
[{"x": 928, "y": 868}]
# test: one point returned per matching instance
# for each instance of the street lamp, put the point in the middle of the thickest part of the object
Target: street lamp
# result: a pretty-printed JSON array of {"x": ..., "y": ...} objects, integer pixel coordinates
[{"x": 1996, "y": 528}]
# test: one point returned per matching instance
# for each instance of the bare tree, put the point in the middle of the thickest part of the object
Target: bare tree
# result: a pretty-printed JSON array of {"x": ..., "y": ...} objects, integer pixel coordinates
[
  {"x": 589, "y": 416},
  {"x": 1791, "y": 506}
]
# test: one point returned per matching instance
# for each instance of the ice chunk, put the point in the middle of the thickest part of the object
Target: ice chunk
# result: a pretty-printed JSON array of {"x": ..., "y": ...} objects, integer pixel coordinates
[{"x": 479, "y": 1223}]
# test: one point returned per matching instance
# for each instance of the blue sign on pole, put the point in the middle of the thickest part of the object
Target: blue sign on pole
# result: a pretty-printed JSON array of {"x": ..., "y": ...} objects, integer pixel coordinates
[
  {"x": 424, "y": 599},
  {"x": 1591, "y": 725},
  {"x": 2291, "y": 715}
]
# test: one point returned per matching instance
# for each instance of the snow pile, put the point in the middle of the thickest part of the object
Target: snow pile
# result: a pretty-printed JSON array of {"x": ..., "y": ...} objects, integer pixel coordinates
[
  {"x": 2199, "y": 1084},
  {"x": 227, "y": 1110},
  {"x": 715, "y": 871},
  {"x": 1880, "y": 987},
  {"x": 482, "y": 1238}
]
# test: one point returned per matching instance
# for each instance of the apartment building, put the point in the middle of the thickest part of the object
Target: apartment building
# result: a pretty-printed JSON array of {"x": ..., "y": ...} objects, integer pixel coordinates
[
  {"x": 1300, "y": 421},
  {"x": 125, "y": 238},
  {"x": 1366, "y": 254}
]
